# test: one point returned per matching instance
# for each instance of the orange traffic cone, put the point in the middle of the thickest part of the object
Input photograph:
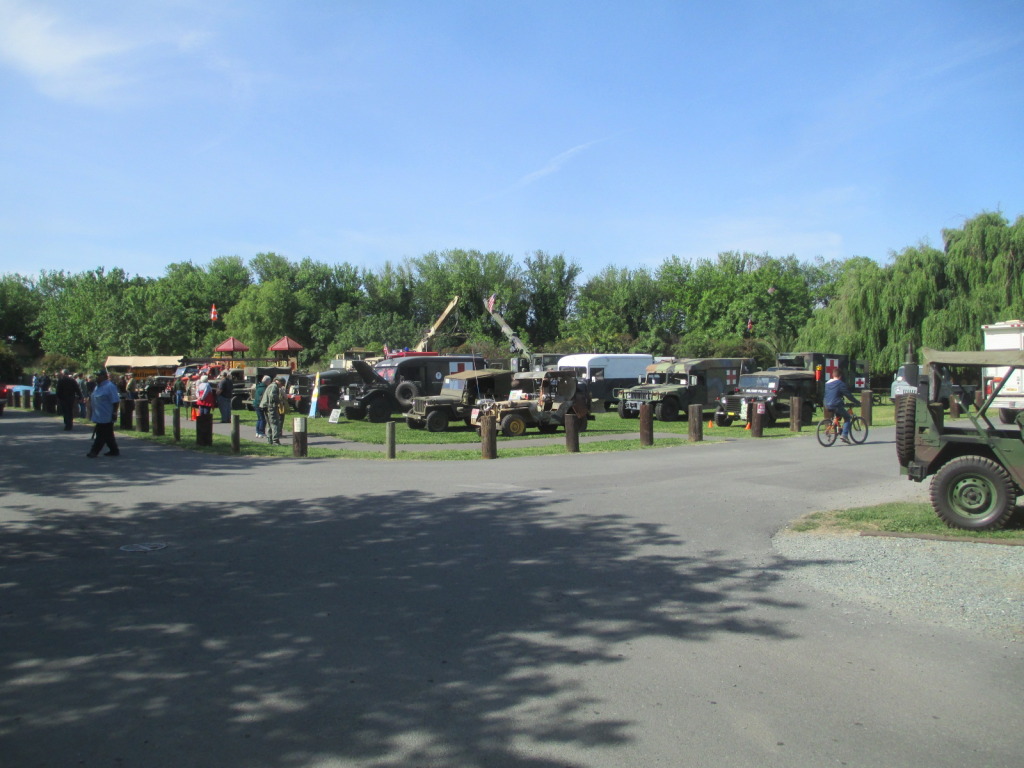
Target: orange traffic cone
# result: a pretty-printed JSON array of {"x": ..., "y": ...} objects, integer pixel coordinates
[
  {"x": 748, "y": 425},
  {"x": 711, "y": 424}
]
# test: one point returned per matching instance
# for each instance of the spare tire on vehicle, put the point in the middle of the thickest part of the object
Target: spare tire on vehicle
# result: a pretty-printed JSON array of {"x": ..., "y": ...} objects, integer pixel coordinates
[
  {"x": 906, "y": 416},
  {"x": 405, "y": 393}
]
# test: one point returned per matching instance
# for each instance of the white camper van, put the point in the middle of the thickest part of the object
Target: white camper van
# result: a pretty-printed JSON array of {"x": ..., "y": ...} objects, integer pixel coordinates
[
  {"x": 606, "y": 373},
  {"x": 1010, "y": 400}
]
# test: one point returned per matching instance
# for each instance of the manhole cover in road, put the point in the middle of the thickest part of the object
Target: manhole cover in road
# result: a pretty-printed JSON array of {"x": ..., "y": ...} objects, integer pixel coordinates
[{"x": 142, "y": 547}]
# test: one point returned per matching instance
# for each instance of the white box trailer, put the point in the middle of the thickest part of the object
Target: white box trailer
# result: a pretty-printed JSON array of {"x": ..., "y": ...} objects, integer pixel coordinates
[
  {"x": 606, "y": 373},
  {"x": 1008, "y": 334}
]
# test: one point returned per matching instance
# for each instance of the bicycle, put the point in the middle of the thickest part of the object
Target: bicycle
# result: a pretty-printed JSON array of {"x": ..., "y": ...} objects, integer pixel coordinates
[{"x": 830, "y": 429}]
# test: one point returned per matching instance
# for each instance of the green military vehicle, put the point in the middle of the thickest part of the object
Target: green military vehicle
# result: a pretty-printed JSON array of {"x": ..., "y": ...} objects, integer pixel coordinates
[
  {"x": 459, "y": 395},
  {"x": 540, "y": 399},
  {"x": 977, "y": 467},
  {"x": 671, "y": 387}
]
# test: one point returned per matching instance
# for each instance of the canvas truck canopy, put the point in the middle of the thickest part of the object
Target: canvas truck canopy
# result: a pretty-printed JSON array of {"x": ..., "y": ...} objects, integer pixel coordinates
[
  {"x": 992, "y": 357},
  {"x": 143, "y": 361}
]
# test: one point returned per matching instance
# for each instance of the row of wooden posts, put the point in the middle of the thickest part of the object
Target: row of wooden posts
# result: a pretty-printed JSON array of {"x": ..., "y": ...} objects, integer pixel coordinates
[{"x": 139, "y": 413}]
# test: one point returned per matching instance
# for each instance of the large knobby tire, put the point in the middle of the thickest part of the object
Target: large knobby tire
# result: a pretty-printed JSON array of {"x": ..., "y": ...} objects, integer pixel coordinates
[
  {"x": 667, "y": 410},
  {"x": 906, "y": 415},
  {"x": 405, "y": 393},
  {"x": 355, "y": 412},
  {"x": 437, "y": 421},
  {"x": 378, "y": 411},
  {"x": 973, "y": 492},
  {"x": 513, "y": 425},
  {"x": 721, "y": 420}
]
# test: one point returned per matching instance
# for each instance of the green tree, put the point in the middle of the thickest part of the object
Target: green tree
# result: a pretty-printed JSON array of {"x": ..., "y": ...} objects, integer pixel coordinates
[{"x": 550, "y": 287}]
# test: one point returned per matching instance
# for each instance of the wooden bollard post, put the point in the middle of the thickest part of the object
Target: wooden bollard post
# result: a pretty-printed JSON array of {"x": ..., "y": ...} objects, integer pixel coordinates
[
  {"x": 979, "y": 398},
  {"x": 865, "y": 406},
  {"x": 646, "y": 424},
  {"x": 389, "y": 439},
  {"x": 954, "y": 407},
  {"x": 236, "y": 433},
  {"x": 27, "y": 401},
  {"x": 176, "y": 423},
  {"x": 572, "y": 433},
  {"x": 488, "y": 436},
  {"x": 127, "y": 411},
  {"x": 796, "y": 414},
  {"x": 158, "y": 417},
  {"x": 757, "y": 419},
  {"x": 695, "y": 422},
  {"x": 17, "y": 400},
  {"x": 142, "y": 415},
  {"x": 300, "y": 446},
  {"x": 204, "y": 429}
]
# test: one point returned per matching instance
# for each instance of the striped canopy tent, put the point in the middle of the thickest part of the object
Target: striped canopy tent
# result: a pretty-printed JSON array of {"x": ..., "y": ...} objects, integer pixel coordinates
[{"x": 231, "y": 345}]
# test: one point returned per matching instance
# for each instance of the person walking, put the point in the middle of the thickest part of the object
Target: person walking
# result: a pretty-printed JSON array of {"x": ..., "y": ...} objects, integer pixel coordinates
[
  {"x": 261, "y": 413},
  {"x": 104, "y": 401},
  {"x": 273, "y": 404},
  {"x": 225, "y": 392},
  {"x": 68, "y": 397}
]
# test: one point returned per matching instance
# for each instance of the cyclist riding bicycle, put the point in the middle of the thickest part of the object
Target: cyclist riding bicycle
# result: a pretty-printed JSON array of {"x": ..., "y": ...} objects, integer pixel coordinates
[{"x": 836, "y": 394}]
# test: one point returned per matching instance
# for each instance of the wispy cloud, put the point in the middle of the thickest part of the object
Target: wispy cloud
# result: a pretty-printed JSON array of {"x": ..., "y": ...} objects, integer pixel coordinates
[
  {"x": 555, "y": 164},
  {"x": 63, "y": 61}
]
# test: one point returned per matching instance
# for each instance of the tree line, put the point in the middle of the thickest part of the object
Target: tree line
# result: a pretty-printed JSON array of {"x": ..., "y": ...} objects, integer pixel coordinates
[{"x": 736, "y": 304}]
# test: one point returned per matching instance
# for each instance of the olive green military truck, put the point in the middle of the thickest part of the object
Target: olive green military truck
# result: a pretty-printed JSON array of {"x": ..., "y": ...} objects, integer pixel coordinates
[
  {"x": 671, "y": 387},
  {"x": 459, "y": 395},
  {"x": 976, "y": 465}
]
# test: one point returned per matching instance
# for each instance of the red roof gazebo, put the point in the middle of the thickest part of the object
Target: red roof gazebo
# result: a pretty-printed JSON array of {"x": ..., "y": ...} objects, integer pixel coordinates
[
  {"x": 286, "y": 348},
  {"x": 285, "y": 344},
  {"x": 231, "y": 345}
]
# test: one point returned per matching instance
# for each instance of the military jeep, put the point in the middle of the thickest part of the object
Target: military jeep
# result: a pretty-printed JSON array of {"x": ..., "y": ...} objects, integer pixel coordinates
[
  {"x": 977, "y": 468},
  {"x": 540, "y": 399},
  {"x": 459, "y": 395},
  {"x": 774, "y": 389},
  {"x": 671, "y": 387}
]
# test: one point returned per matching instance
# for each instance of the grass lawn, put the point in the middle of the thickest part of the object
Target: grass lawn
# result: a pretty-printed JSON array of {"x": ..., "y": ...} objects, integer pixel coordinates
[{"x": 916, "y": 518}]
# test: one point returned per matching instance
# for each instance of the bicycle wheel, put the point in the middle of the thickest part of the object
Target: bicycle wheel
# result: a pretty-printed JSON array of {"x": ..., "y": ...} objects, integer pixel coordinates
[
  {"x": 826, "y": 434},
  {"x": 858, "y": 430}
]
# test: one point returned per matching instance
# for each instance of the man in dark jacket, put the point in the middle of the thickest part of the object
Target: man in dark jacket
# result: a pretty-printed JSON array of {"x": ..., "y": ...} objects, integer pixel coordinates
[
  {"x": 68, "y": 397},
  {"x": 836, "y": 395},
  {"x": 225, "y": 392}
]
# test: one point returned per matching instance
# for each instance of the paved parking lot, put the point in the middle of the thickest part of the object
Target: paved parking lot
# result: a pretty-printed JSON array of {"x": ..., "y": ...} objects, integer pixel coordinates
[{"x": 579, "y": 610}]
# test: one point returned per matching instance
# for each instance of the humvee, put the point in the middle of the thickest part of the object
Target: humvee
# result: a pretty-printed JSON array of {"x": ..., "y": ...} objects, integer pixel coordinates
[
  {"x": 977, "y": 468},
  {"x": 540, "y": 399},
  {"x": 459, "y": 395},
  {"x": 671, "y": 387}
]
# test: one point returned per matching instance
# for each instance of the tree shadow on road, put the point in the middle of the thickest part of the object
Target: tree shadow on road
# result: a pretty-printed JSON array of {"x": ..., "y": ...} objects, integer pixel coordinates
[{"x": 375, "y": 629}]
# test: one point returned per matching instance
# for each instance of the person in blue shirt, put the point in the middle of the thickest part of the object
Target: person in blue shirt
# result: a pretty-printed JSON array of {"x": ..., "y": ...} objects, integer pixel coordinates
[
  {"x": 836, "y": 395},
  {"x": 105, "y": 399}
]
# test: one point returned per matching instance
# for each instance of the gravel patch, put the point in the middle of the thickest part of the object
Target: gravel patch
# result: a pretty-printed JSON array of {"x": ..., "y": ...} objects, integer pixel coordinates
[{"x": 979, "y": 587}]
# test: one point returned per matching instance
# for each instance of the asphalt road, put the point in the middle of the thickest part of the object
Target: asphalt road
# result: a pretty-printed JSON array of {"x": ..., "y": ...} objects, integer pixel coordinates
[{"x": 597, "y": 610}]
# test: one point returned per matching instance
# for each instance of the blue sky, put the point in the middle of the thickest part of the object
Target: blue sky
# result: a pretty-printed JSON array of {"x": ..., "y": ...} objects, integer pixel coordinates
[{"x": 138, "y": 133}]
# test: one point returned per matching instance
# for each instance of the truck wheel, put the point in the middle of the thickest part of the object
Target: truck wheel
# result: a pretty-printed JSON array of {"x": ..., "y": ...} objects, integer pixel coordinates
[
  {"x": 513, "y": 425},
  {"x": 437, "y": 421},
  {"x": 413, "y": 423},
  {"x": 906, "y": 414},
  {"x": 721, "y": 420},
  {"x": 667, "y": 410},
  {"x": 355, "y": 412},
  {"x": 405, "y": 393},
  {"x": 624, "y": 412},
  {"x": 1008, "y": 415},
  {"x": 378, "y": 411},
  {"x": 973, "y": 492}
]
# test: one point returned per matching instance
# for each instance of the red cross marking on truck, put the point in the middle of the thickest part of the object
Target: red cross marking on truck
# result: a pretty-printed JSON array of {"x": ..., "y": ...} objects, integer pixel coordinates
[{"x": 831, "y": 364}]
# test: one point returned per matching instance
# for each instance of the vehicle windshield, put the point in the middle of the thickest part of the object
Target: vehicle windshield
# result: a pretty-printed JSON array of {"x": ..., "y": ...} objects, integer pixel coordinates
[
  {"x": 386, "y": 369},
  {"x": 758, "y": 381},
  {"x": 454, "y": 384}
]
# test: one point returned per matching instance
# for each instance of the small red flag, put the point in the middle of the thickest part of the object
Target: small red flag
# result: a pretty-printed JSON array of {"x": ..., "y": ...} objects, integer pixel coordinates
[{"x": 213, "y": 313}]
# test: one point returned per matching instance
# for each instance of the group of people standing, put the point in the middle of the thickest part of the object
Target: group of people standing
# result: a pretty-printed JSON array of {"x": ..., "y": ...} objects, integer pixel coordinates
[{"x": 97, "y": 397}]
